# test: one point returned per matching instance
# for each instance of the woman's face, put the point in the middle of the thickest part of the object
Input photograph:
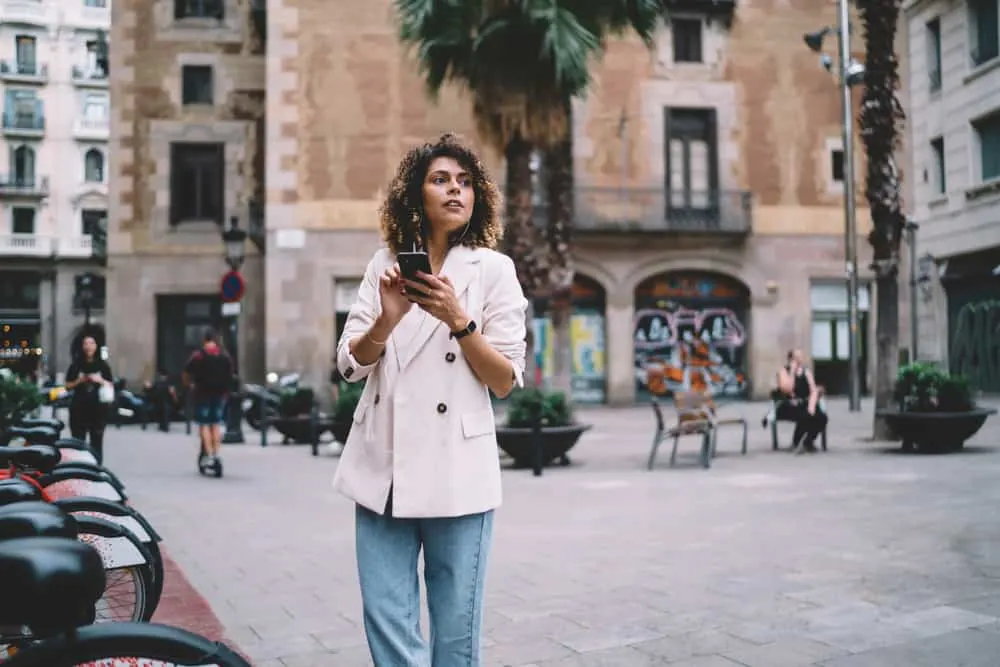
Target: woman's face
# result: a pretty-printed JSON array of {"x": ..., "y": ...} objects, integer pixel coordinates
[
  {"x": 448, "y": 195},
  {"x": 89, "y": 346}
]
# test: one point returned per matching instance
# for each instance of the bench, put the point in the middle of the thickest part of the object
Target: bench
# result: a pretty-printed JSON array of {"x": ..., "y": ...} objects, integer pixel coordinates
[
  {"x": 696, "y": 415},
  {"x": 774, "y": 416}
]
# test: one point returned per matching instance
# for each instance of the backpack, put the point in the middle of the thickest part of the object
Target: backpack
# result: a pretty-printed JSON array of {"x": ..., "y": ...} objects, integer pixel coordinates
[{"x": 213, "y": 373}]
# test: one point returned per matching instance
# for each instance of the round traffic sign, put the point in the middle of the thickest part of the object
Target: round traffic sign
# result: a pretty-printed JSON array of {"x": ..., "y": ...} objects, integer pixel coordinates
[{"x": 232, "y": 286}]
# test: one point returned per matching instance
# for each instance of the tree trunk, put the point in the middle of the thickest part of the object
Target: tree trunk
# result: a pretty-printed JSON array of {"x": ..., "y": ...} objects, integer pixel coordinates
[
  {"x": 880, "y": 121},
  {"x": 558, "y": 236},
  {"x": 887, "y": 341},
  {"x": 519, "y": 236}
]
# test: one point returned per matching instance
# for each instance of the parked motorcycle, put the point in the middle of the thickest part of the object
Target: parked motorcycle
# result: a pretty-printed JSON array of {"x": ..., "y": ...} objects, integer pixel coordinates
[{"x": 268, "y": 395}]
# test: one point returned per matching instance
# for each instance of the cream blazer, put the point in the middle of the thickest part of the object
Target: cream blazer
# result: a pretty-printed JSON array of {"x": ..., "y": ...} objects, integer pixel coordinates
[{"x": 424, "y": 425}]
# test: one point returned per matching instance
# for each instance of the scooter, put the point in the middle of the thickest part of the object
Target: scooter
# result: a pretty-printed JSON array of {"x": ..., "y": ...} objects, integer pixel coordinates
[{"x": 269, "y": 395}]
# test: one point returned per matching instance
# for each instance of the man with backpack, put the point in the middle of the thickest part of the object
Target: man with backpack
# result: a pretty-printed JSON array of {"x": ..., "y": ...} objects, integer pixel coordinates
[{"x": 209, "y": 373}]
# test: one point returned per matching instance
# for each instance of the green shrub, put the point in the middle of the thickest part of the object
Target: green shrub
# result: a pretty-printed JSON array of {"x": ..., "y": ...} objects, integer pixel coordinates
[
  {"x": 527, "y": 406},
  {"x": 17, "y": 398},
  {"x": 347, "y": 401},
  {"x": 923, "y": 387}
]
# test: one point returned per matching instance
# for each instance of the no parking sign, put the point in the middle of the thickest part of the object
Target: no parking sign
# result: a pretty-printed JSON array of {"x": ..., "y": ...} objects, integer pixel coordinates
[{"x": 232, "y": 287}]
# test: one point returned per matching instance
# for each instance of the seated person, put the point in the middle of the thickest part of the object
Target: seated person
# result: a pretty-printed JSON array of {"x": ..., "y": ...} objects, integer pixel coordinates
[{"x": 799, "y": 402}]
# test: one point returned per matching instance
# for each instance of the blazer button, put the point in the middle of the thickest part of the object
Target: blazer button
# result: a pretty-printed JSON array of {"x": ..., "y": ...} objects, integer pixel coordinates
[
  {"x": 442, "y": 408},
  {"x": 377, "y": 397},
  {"x": 450, "y": 357}
]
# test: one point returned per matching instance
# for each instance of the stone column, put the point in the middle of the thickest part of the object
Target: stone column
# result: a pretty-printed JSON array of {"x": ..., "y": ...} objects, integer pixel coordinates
[
  {"x": 619, "y": 315},
  {"x": 47, "y": 300}
]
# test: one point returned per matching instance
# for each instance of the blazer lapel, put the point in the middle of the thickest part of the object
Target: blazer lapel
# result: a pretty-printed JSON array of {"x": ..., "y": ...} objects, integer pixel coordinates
[{"x": 461, "y": 267}]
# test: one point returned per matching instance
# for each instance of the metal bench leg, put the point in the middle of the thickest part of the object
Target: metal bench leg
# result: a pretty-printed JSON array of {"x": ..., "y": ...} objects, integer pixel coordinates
[
  {"x": 657, "y": 439},
  {"x": 707, "y": 447},
  {"x": 774, "y": 435},
  {"x": 744, "y": 448},
  {"x": 673, "y": 454},
  {"x": 822, "y": 439}
]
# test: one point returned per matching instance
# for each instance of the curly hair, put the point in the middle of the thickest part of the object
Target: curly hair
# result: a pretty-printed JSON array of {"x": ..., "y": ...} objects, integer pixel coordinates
[{"x": 403, "y": 204}]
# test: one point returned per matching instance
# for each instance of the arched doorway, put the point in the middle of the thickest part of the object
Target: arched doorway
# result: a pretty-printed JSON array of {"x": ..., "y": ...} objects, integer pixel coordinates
[
  {"x": 589, "y": 372},
  {"x": 690, "y": 334}
]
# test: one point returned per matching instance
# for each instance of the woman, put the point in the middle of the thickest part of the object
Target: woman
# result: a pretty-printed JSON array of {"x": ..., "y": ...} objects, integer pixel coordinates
[
  {"x": 87, "y": 415},
  {"x": 796, "y": 382},
  {"x": 421, "y": 461}
]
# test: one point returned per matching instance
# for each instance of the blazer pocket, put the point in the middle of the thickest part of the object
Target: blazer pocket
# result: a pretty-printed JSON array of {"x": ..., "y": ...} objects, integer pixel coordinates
[{"x": 475, "y": 424}]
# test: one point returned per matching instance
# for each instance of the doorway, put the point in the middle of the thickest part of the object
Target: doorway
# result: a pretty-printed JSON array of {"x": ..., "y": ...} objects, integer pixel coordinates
[
  {"x": 830, "y": 339},
  {"x": 181, "y": 320}
]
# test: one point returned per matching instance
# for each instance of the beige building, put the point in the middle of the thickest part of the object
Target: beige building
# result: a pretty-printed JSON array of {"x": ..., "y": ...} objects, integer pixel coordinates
[
  {"x": 709, "y": 190},
  {"x": 954, "y": 125},
  {"x": 53, "y": 175}
]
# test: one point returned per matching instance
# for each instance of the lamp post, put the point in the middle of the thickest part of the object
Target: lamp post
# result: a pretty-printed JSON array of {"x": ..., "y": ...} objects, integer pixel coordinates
[
  {"x": 911, "y": 241},
  {"x": 234, "y": 240},
  {"x": 850, "y": 73}
]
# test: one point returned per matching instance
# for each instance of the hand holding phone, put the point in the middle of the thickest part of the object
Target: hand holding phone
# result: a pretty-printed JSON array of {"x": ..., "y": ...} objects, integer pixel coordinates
[{"x": 410, "y": 263}]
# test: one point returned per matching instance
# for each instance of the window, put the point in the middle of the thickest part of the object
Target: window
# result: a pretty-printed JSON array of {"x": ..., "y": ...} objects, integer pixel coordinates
[
  {"x": 26, "y": 54},
  {"x": 984, "y": 25},
  {"x": 95, "y": 3},
  {"x": 837, "y": 165},
  {"x": 687, "y": 40},
  {"x": 23, "y": 110},
  {"x": 204, "y": 9},
  {"x": 95, "y": 108},
  {"x": 23, "y": 163},
  {"x": 934, "y": 54},
  {"x": 691, "y": 161},
  {"x": 196, "y": 81},
  {"x": 94, "y": 68},
  {"x": 92, "y": 221},
  {"x": 93, "y": 166},
  {"x": 197, "y": 181},
  {"x": 988, "y": 133},
  {"x": 23, "y": 220},
  {"x": 939, "y": 183}
]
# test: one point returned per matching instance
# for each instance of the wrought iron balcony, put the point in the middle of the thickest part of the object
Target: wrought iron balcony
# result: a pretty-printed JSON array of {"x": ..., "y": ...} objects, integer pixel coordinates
[
  {"x": 21, "y": 71},
  {"x": 19, "y": 185},
  {"x": 90, "y": 76},
  {"x": 30, "y": 125},
  {"x": 653, "y": 211}
]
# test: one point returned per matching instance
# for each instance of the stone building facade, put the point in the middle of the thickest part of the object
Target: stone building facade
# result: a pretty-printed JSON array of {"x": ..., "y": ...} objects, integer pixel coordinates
[
  {"x": 709, "y": 188},
  {"x": 186, "y": 132},
  {"x": 734, "y": 129}
]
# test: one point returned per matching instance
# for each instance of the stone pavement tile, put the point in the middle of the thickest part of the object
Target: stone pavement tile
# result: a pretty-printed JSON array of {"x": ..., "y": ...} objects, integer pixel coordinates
[
  {"x": 329, "y": 659},
  {"x": 864, "y": 636},
  {"x": 605, "y": 637},
  {"x": 791, "y": 652},
  {"x": 270, "y": 649},
  {"x": 533, "y": 628},
  {"x": 692, "y": 644},
  {"x": 341, "y": 638},
  {"x": 706, "y": 661},
  {"x": 623, "y": 656},
  {"x": 967, "y": 648},
  {"x": 939, "y": 620},
  {"x": 522, "y": 653},
  {"x": 988, "y": 605}
]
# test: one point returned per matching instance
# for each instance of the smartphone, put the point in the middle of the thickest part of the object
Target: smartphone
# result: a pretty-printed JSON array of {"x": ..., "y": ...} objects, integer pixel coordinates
[{"x": 412, "y": 262}]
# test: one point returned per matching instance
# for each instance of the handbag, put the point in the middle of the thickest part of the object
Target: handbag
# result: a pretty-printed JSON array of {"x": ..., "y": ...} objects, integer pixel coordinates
[{"x": 106, "y": 393}]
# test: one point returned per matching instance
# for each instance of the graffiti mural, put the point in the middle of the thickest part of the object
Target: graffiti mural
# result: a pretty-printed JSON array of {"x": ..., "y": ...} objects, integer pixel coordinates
[
  {"x": 975, "y": 344},
  {"x": 689, "y": 334}
]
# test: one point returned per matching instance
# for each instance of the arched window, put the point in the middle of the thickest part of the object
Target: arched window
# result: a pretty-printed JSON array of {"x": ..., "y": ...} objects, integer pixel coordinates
[
  {"x": 24, "y": 165},
  {"x": 93, "y": 166}
]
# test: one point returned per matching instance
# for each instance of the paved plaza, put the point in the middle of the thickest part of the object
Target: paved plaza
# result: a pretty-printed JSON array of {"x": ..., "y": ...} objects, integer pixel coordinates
[{"x": 859, "y": 557}]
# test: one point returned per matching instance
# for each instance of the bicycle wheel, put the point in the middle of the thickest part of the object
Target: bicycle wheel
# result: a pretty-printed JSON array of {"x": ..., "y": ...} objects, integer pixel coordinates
[
  {"x": 128, "y": 645},
  {"x": 128, "y": 568}
]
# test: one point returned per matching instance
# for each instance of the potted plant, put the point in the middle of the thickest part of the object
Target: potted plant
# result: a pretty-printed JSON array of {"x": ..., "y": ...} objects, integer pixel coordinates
[
  {"x": 557, "y": 429},
  {"x": 343, "y": 411},
  {"x": 935, "y": 410},
  {"x": 18, "y": 397}
]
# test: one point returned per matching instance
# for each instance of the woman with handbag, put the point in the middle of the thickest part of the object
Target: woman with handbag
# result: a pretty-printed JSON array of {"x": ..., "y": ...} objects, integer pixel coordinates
[
  {"x": 90, "y": 378},
  {"x": 421, "y": 460}
]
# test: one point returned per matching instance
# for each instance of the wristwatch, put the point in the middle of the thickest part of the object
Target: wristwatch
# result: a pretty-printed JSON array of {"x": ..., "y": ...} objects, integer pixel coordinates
[{"x": 462, "y": 333}]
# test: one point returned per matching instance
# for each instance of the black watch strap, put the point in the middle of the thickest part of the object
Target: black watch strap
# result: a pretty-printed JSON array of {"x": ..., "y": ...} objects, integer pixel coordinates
[{"x": 462, "y": 333}]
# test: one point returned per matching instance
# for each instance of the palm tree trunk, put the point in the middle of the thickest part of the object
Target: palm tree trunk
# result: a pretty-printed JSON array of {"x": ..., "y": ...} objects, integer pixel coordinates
[
  {"x": 881, "y": 119},
  {"x": 559, "y": 169},
  {"x": 519, "y": 236}
]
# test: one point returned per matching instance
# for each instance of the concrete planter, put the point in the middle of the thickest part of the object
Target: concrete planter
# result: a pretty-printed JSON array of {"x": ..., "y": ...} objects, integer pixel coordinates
[
  {"x": 936, "y": 431},
  {"x": 556, "y": 442}
]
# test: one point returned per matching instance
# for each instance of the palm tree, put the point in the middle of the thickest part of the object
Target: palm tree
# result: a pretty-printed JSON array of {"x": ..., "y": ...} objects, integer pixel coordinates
[
  {"x": 881, "y": 120},
  {"x": 524, "y": 61}
]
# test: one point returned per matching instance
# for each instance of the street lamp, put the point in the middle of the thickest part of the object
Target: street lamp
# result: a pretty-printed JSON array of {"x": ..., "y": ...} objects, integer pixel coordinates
[
  {"x": 851, "y": 73},
  {"x": 911, "y": 228},
  {"x": 234, "y": 240}
]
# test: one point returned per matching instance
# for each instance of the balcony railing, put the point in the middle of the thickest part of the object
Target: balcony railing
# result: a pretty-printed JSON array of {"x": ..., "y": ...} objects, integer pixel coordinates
[
  {"x": 23, "y": 186},
  {"x": 31, "y": 124},
  {"x": 27, "y": 12},
  {"x": 25, "y": 245},
  {"x": 90, "y": 76},
  {"x": 91, "y": 129},
  {"x": 653, "y": 210},
  {"x": 23, "y": 72}
]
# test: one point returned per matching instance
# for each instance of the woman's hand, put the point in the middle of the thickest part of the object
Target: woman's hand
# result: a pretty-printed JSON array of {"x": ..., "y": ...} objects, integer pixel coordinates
[
  {"x": 437, "y": 297},
  {"x": 395, "y": 304}
]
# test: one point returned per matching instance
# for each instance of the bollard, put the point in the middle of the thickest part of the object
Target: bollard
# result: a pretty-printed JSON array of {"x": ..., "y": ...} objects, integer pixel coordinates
[
  {"x": 539, "y": 447},
  {"x": 262, "y": 406},
  {"x": 314, "y": 430},
  {"x": 188, "y": 398}
]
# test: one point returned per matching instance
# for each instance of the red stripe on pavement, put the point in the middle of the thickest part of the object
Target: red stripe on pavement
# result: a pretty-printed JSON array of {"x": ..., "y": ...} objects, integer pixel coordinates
[{"x": 182, "y": 606}]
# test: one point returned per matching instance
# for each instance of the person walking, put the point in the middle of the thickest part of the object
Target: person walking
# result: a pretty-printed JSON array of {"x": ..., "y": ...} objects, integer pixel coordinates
[
  {"x": 209, "y": 374},
  {"x": 421, "y": 460},
  {"x": 88, "y": 414}
]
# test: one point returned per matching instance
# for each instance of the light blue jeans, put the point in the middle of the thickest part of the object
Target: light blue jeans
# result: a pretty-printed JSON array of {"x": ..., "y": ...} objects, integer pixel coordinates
[{"x": 455, "y": 555}]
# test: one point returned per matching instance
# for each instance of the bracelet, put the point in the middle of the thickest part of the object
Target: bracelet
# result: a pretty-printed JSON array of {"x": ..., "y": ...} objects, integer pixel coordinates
[{"x": 372, "y": 339}]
